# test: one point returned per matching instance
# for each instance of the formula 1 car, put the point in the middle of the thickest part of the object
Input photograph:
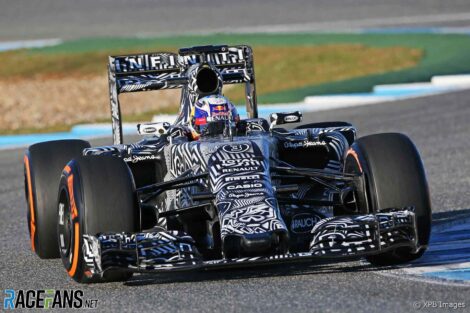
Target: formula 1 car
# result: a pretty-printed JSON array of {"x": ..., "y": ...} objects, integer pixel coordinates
[{"x": 246, "y": 192}]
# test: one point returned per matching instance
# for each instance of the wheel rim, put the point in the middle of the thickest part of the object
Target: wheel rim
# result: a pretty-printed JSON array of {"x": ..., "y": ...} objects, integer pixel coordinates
[{"x": 65, "y": 228}]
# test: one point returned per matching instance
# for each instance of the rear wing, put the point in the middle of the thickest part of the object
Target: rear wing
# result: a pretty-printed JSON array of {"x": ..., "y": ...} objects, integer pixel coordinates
[{"x": 164, "y": 70}]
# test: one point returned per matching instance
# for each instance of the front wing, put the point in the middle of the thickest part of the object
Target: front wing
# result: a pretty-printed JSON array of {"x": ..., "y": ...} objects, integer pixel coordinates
[{"x": 333, "y": 238}]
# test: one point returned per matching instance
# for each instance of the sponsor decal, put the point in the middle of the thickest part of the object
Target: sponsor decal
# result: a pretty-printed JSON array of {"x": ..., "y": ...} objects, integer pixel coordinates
[
  {"x": 303, "y": 222},
  {"x": 149, "y": 130},
  {"x": 139, "y": 158},
  {"x": 245, "y": 186},
  {"x": 47, "y": 299},
  {"x": 252, "y": 218},
  {"x": 145, "y": 62},
  {"x": 291, "y": 118},
  {"x": 201, "y": 121},
  {"x": 303, "y": 144},
  {"x": 240, "y": 163},
  {"x": 218, "y": 103},
  {"x": 231, "y": 56},
  {"x": 61, "y": 213},
  {"x": 237, "y": 148},
  {"x": 220, "y": 116},
  {"x": 314, "y": 143},
  {"x": 233, "y": 195},
  {"x": 241, "y": 169},
  {"x": 238, "y": 178}
]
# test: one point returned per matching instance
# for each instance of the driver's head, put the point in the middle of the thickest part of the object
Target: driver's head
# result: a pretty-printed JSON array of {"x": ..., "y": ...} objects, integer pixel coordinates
[{"x": 212, "y": 108}]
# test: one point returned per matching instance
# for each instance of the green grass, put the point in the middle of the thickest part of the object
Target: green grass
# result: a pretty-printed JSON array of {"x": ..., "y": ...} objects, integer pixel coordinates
[
  {"x": 365, "y": 60},
  {"x": 443, "y": 54}
]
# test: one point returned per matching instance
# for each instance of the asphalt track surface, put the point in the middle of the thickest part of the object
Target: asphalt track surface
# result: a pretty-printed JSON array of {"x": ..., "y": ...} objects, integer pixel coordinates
[
  {"x": 66, "y": 19},
  {"x": 439, "y": 127}
]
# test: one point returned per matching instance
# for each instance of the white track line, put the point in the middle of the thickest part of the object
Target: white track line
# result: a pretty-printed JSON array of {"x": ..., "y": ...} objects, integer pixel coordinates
[
  {"x": 354, "y": 24},
  {"x": 22, "y": 44}
]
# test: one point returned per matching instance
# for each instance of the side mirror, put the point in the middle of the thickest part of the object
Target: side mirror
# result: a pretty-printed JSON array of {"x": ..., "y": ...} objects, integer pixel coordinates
[
  {"x": 156, "y": 129},
  {"x": 285, "y": 118}
]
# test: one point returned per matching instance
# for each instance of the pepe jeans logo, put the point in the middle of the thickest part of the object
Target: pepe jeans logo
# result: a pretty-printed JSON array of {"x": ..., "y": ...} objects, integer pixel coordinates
[
  {"x": 47, "y": 299},
  {"x": 303, "y": 223},
  {"x": 139, "y": 158},
  {"x": 303, "y": 144}
]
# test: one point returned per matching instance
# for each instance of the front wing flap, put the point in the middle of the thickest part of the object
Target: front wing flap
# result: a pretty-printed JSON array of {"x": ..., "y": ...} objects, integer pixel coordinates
[{"x": 336, "y": 237}]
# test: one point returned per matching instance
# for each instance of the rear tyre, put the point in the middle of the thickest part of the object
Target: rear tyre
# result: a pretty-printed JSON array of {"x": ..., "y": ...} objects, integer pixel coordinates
[
  {"x": 96, "y": 195},
  {"x": 43, "y": 164},
  {"x": 395, "y": 178}
]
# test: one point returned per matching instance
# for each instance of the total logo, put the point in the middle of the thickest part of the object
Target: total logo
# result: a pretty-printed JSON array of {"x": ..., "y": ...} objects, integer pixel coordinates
[
  {"x": 291, "y": 118},
  {"x": 240, "y": 163},
  {"x": 245, "y": 186},
  {"x": 303, "y": 222}
]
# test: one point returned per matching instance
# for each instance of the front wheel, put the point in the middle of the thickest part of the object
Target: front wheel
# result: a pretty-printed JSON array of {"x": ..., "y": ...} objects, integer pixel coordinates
[
  {"x": 43, "y": 164},
  {"x": 96, "y": 195},
  {"x": 395, "y": 178}
]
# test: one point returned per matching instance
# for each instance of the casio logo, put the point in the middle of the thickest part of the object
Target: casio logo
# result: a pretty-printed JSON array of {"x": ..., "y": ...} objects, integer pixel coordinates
[{"x": 244, "y": 186}]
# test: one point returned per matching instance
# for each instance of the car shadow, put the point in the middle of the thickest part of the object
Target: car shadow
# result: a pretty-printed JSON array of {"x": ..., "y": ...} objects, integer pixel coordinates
[
  {"x": 450, "y": 240},
  {"x": 260, "y": 271},
  {"x": 443, "y": 223}
]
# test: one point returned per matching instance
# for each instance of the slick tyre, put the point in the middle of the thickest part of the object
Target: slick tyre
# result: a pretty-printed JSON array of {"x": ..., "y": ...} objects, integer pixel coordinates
[
  {"x": 43, "y": 164},
  {"x": 96, "y": 195},
  {"x": 395, "y": 178}
]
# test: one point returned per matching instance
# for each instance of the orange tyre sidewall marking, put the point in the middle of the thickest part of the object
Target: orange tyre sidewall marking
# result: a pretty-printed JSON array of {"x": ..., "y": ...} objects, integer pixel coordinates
[
  {"x": 32, "y": 222},
  {"x": 355, "y": 156},
  {"x": 76, "y": 242}
]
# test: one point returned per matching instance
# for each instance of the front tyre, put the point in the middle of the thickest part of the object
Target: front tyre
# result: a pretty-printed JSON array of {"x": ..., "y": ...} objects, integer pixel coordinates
[
  {"x": 395, "y": 178},
  {"x": 96, "y": 195},
  {"x": 43, "y": 164}
]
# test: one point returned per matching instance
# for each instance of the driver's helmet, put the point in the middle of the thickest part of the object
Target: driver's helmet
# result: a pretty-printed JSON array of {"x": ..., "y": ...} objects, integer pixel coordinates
[{"x": 212, "y": 108}]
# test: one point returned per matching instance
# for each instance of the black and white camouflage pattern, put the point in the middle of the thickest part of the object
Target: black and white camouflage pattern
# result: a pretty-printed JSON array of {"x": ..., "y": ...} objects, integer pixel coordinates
[
  {"x": 139, "y": 251},
  {"x": 240, "y": 179},
  {"x": 130, "y": 153},
  {"x": 245, "y": 198},
  {"x": 171, "y": 250},
  {"x": 351, "y": 235}
]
